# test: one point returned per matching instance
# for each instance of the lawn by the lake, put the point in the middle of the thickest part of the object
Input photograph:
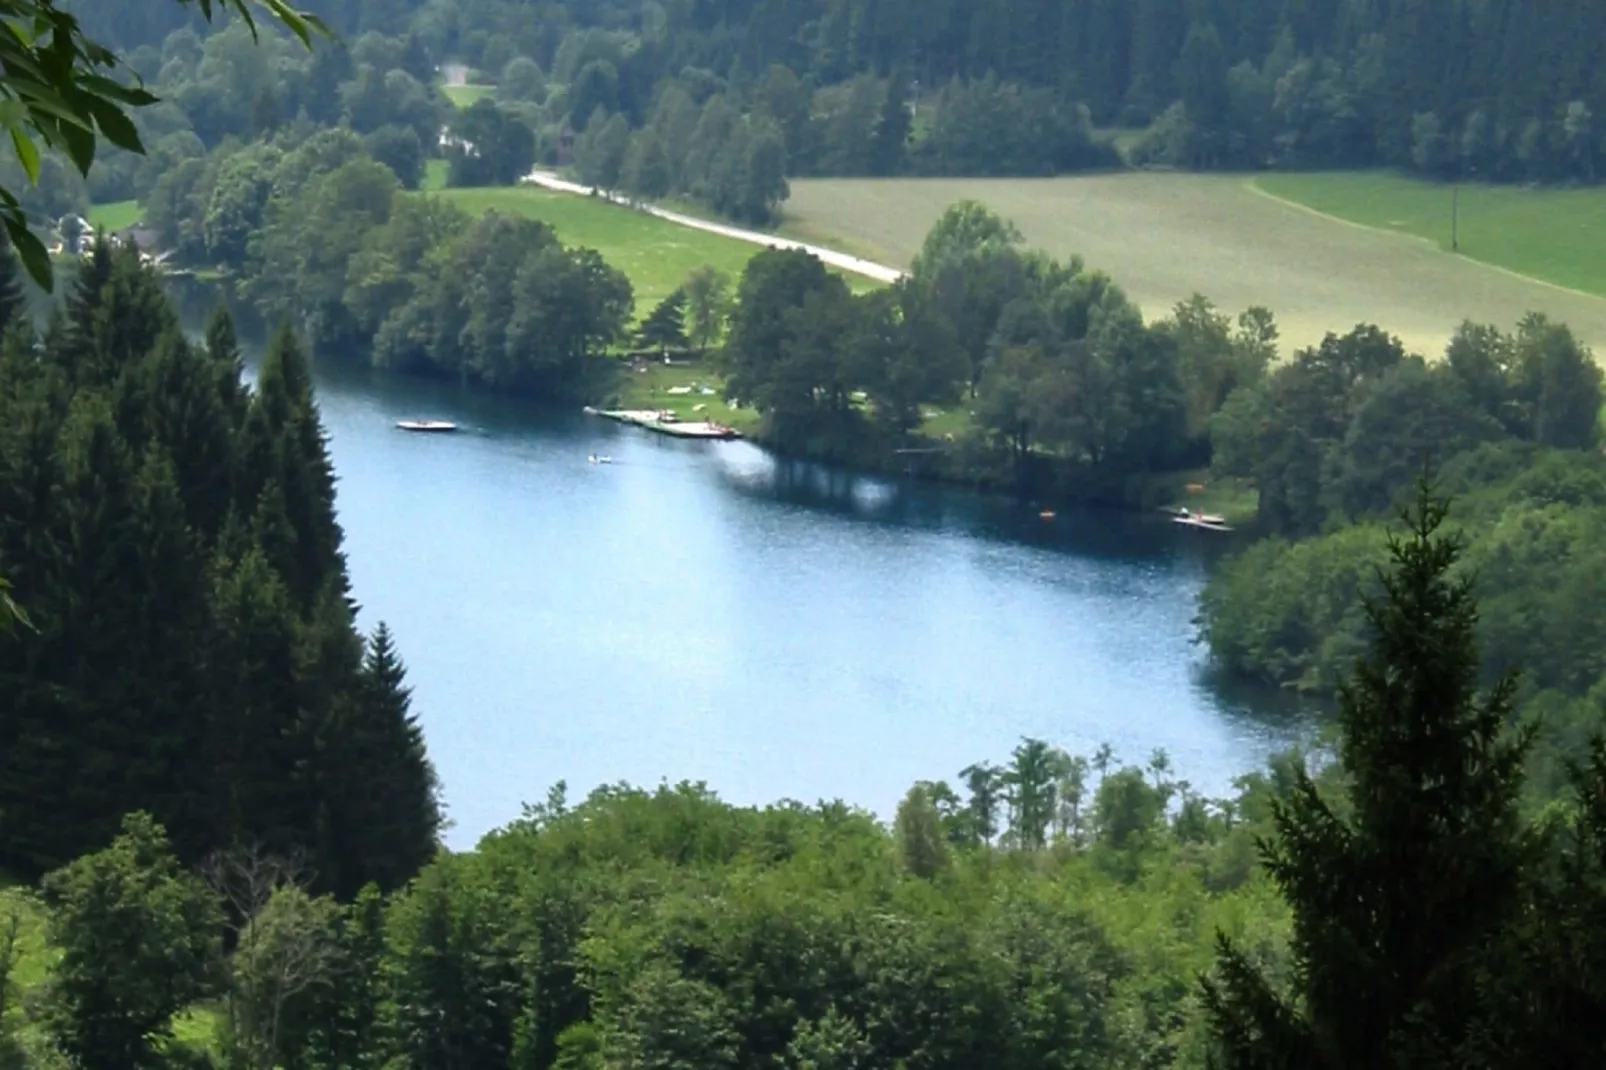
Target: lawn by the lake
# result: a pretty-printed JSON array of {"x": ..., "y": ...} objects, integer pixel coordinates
[
  {"x": 1555, "y": 235},
  {"x": 465, "y": 95},
  {"x": 115, "y": 215},
  {"x": 656, "y": 254}
]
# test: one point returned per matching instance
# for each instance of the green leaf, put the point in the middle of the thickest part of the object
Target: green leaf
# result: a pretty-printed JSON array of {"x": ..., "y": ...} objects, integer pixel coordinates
[
  {"x": 101, "y": 86},
  {"x": 27, "y": 153},
  {"x": 30, "y": 250},
  {"x": 79, "y": 143},
  {"x": 116, "y": 126},
  {"x": 10, "y": 612}
]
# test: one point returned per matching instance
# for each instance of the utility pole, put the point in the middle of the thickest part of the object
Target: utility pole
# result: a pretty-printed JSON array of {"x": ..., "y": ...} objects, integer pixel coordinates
[{"x": 1455, "y": 217}]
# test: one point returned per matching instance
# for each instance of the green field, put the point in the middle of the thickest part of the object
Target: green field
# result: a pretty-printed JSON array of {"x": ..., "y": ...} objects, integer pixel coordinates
[
  {"x": 465, "y": 95},
  {"x": 656, "y": 254},
  {"x": 1164, "y": 236},
  {"x": 115, "y": 215},
  {"x": 1558, "y": 236},
  {"x": 435, "y": 172}
]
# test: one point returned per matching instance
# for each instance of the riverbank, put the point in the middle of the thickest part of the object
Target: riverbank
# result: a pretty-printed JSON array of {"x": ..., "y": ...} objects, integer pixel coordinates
[{"x": 944, "y": 454}]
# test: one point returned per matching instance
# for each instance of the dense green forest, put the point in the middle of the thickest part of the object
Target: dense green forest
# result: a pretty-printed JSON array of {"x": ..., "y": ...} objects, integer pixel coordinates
[{"x": 720, "y": 102}]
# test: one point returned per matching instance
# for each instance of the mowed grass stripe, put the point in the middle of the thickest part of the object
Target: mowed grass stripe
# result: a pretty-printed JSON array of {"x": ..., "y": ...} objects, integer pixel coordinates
[
  {"x": 654, "y": 253},
  {"x": 1165, "y": 236},
  {"x": 1557, "y": 236}
]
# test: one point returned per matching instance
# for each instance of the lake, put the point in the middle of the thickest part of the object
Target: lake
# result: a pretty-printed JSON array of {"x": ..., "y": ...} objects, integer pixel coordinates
[{"x": 701, "y": 611}]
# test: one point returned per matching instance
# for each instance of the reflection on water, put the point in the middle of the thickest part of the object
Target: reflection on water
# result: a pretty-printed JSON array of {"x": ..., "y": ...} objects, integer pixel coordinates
[{"x": 778, "y": 629}]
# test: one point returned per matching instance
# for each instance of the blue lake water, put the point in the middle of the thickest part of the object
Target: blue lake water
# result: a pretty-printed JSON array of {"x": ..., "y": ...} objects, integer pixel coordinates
[{"x": 701, "y": 611}]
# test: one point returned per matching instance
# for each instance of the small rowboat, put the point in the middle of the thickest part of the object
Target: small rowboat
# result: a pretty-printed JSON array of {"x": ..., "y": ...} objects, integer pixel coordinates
[{"x": 426, "y": 425}]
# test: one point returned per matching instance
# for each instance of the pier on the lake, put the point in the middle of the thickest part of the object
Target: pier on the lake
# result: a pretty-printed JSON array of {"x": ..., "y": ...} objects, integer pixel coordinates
[{"x": 667, "y": 423}]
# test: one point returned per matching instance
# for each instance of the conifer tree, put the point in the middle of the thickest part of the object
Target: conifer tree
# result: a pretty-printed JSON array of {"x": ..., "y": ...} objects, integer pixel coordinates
[
  {"x": 1398, "y": 897},
  {"x": 383, "y": 796},
  {"x": 13, "y": 298},
  {"x": 285, "y": 442},
  {"x": 173, "y": 401},
  {"x": 665, "y": 326},
  {"x": 115, "y": 315},
  {"x": 259, "y": 742},
  {"x": 229, "y": 368}
]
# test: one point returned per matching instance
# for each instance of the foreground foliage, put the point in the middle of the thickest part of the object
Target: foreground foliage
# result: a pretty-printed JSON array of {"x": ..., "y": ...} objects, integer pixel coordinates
[
  {"x": 1404, "y": 890},
  {"x": 193, "y": 650}
]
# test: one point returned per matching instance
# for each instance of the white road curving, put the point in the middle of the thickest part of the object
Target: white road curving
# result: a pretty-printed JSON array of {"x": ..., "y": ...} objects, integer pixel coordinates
[{"x": 868, "y": 268}]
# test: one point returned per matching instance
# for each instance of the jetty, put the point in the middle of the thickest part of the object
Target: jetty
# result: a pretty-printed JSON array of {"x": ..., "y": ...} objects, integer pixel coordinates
[
  {"x": 1202, "y": 521},
  {"x": 664, "y": 422}
]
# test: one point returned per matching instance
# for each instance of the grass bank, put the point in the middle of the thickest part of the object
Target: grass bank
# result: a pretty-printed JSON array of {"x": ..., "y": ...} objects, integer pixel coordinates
[
  {"x": 1553, "y": 235},
  {"x": 1165, "y": 236},
  {"x": 679, "y": 388}
]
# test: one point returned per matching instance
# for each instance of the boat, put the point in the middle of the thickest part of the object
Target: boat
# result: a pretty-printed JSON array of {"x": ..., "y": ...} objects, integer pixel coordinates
[
  {"x": 600, "y": 460},
  {"x": 1205, "y": 521},
  {"x": 426, "y": 425}
]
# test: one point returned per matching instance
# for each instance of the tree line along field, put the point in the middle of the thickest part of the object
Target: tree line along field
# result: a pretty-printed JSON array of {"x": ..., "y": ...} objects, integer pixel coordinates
[
  {"x": 1278, "y": 240},
  {"x": 1163, "y": 236}
]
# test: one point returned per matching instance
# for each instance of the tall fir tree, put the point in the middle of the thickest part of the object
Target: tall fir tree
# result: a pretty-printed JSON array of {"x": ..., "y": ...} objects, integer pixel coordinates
[
  {"x": 285, "y": 442},
  {"x": 223, "y": 347},
  {"x": 1401, "y": 893},
  {"x": 384, "y": 815}
]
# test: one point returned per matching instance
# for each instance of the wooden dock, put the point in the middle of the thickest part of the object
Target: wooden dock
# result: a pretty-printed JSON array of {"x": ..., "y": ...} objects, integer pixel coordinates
[{"x": 667, "y": 423}]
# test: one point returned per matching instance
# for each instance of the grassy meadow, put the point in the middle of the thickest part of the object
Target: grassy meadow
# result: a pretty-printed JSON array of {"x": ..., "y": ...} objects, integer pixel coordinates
[
  {"x": 1164, "y": 236},
  {"x": 656, "y": 254},
  {"x": 1555, "y": 235},
  {"x": 115, "y": 215}
]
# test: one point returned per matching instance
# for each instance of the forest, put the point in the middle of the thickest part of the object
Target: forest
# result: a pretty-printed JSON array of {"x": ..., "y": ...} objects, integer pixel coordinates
[{"x": 719, "y": 103}]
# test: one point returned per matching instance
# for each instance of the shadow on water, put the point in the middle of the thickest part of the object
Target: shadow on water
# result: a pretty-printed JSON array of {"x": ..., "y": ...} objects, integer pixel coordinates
[{"x": 1097, "y": 532}]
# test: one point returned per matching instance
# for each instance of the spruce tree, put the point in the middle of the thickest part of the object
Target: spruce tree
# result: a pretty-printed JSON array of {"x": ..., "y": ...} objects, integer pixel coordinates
[
  {"x": 13, "y": 298},
  {"x": 1399, "y": 895},
  {"x": 172, "y": 399},
  {"x": 223, "y": 348},
  {"x": 115, "y": 315},
  {"x": 259, "y": 743},
  {"x": 284, "y": 441},
  {"x": 383, "y": 816}
]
